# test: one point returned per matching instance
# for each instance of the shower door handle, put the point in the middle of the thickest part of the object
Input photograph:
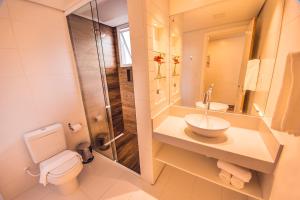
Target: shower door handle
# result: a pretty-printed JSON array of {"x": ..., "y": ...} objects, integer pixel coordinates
[{"x": 109, "y": 142}]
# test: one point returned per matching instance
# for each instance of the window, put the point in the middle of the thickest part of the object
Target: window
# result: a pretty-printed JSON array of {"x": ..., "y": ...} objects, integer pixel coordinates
[{"x": 124, "y": 46}]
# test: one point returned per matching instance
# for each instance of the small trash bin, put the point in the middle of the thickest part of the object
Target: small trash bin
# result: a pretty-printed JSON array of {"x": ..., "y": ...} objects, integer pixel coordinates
[
  {"x": 100, "y": 141},
  {"x": 85, "y": 150}
]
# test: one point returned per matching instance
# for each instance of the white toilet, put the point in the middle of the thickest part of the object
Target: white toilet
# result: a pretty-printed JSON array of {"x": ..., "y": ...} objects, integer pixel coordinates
[{"x": 47, "y": 147}]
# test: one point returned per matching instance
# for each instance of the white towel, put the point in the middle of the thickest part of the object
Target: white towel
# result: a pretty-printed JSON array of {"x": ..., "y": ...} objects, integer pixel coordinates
[
  {"x": 251, "y": 75},
  {"x": 237, "y": 183},
  {"x": 237, "y": 171},
  {"x": 286, "y": 116},
  {"x": 225, "y": 176},
  {"x": 54, "y": 162}
]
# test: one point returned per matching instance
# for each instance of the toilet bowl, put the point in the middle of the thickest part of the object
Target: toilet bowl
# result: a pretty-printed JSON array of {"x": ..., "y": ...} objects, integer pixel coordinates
[
  {"x": 58, "y": 166},
  {"x": 64, "y": 176}
]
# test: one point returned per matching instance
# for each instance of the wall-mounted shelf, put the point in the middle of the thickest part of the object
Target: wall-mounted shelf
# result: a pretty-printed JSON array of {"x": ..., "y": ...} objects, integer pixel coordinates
[{"x": 203, "y": 167}]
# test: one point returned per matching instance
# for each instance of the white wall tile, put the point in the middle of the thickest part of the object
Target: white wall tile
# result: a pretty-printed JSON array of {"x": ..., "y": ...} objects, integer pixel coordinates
[
  {"x": 6, "y": 34},
  {"x": 35, "y": 14},
  {"x": 46, "y": 63},
  {"x": 3, "y": 10},
  {"x": 10, "y": 64},
  {"x": 30, "y": 36}
]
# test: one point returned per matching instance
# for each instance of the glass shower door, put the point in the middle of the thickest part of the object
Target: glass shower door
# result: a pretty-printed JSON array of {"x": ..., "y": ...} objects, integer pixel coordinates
[
  {"x": 90, "y": 67},
  {"x": 107, "y": 89}
]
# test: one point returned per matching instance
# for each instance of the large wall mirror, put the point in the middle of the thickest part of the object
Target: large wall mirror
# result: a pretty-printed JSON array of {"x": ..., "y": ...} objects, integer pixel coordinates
[{"x": 222, "y": 55}]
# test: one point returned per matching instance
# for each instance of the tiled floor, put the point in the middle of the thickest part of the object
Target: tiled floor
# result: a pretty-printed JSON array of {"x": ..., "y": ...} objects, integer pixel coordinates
[{"x": 105, "y": 180}]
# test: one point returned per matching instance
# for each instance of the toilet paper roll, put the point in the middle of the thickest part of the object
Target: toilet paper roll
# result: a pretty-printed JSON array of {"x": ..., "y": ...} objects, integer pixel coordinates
[{"x": 75, "y": 127}]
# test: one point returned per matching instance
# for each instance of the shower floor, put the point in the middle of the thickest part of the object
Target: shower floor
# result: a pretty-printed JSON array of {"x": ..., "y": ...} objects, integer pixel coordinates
[{"x": 128, "y": 151}]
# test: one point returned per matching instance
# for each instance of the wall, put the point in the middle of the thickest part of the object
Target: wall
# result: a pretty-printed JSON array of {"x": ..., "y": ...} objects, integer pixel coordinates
[
  {"x": 111, "y": 61},
  {"x": 265, "y": 48},
  {"x": 176, "y": 37},
  {"x": 37, "y": 85},
  {"x": 225, "y": 63},
  {"x": 158, "y": 43},
  {"x": 193, "y": 45},
  {"x": 142, "y": 41},
  {"x": 139, "y": 35},
  {"x": 287, "y": 174},
  {"x": 127, "y": 95}
]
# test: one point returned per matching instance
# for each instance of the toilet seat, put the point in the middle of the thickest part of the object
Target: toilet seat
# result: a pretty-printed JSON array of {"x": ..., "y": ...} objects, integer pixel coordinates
[
  {"x": 65, "y": 167},
  {"x": 66, "y": 171},
  {"x": 59, "y": 176}
]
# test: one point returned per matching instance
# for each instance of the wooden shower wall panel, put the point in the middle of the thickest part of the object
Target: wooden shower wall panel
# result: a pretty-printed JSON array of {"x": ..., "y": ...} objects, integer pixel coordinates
[
  {"x": 109, "y": 47},
  {"x": 128, "y": 103},
  {"x": 84, "y": 46}
]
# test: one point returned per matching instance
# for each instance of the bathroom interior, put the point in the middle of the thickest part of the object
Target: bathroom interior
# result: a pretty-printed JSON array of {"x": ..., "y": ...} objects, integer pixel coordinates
[{"x": 149, "y": 99}]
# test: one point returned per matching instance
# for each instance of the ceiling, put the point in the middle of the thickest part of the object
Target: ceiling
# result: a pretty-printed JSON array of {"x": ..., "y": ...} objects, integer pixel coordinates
[
  {"x": 62, "y": 5},
  {"x": 179, "y": 6},
  {"x": 197, "y": 14},
  {"x": 220, "y": 13},
  {"x": 111, "y": 12}
]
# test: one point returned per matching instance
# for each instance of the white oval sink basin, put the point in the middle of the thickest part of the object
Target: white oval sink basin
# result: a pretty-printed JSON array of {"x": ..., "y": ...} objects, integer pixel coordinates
[
  {"x": 206, "y": 126},
  {"x": 215, "y": 106}
]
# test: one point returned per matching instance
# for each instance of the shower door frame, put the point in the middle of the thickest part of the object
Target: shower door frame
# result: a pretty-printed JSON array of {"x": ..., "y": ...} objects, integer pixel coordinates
[{"x": 100, "y": 54}]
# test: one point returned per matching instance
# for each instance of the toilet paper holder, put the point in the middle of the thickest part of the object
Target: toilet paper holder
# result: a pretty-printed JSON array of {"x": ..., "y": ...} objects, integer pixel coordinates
[{"x": 75, "y": 127}]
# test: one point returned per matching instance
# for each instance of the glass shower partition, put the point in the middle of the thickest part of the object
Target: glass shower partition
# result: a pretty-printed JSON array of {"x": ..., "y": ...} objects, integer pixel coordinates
[
  {"x": 86, "y": 40},
  {"x": 107, "y": 89}
]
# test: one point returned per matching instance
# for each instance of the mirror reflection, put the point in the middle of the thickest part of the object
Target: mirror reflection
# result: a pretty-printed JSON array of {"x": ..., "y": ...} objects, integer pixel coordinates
[{"x": 222, "y": 55}]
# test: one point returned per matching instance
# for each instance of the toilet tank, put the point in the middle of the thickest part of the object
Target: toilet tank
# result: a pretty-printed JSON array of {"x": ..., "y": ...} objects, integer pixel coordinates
[{"x": 45, "y": 142}]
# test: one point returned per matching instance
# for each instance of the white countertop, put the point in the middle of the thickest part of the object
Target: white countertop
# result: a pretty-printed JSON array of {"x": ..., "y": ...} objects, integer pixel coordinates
[{"x": 241, "y": 146}]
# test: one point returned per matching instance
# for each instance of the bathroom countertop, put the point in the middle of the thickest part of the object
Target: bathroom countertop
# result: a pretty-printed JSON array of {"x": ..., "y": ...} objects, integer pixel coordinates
[{"x": 244, "y": 147}]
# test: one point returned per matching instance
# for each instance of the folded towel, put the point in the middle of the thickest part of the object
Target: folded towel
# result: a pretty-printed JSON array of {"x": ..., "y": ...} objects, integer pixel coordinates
[
  {"x": 287, "y": 110},
  {"x": 54, "y": 162},
  {"x": 237, "y": 183},
  {"x": 251, "y": 74},
  {"x": 237, "y": 171},
  {"x": 225, "y": 176}
]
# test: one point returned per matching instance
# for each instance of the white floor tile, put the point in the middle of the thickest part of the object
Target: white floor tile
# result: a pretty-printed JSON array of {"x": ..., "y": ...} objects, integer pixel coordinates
[
  {"x": 120, "y": 190},
  {"x": 179, "y": 186},
  {"x": 104, "y": 180},
  {"x": 78, "y": 195},
  {"x": 36, "y": 193},
  {"x": 204, "y": 190}
]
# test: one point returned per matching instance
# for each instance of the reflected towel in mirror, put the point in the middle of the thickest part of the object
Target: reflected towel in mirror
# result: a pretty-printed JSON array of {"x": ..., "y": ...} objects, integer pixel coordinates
[{"x": 251, "y": 75}]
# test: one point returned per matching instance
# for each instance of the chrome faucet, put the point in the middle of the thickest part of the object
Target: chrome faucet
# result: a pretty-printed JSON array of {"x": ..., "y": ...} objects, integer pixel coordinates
[{"x": 207, "y": 95}]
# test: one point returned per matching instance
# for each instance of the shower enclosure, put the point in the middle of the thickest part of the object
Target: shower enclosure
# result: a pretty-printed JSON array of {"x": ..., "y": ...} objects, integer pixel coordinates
[{"x": 100, "y": 37}]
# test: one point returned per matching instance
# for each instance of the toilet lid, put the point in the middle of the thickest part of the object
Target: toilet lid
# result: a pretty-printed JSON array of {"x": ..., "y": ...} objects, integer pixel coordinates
[{"x": 66, "y": 166}]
